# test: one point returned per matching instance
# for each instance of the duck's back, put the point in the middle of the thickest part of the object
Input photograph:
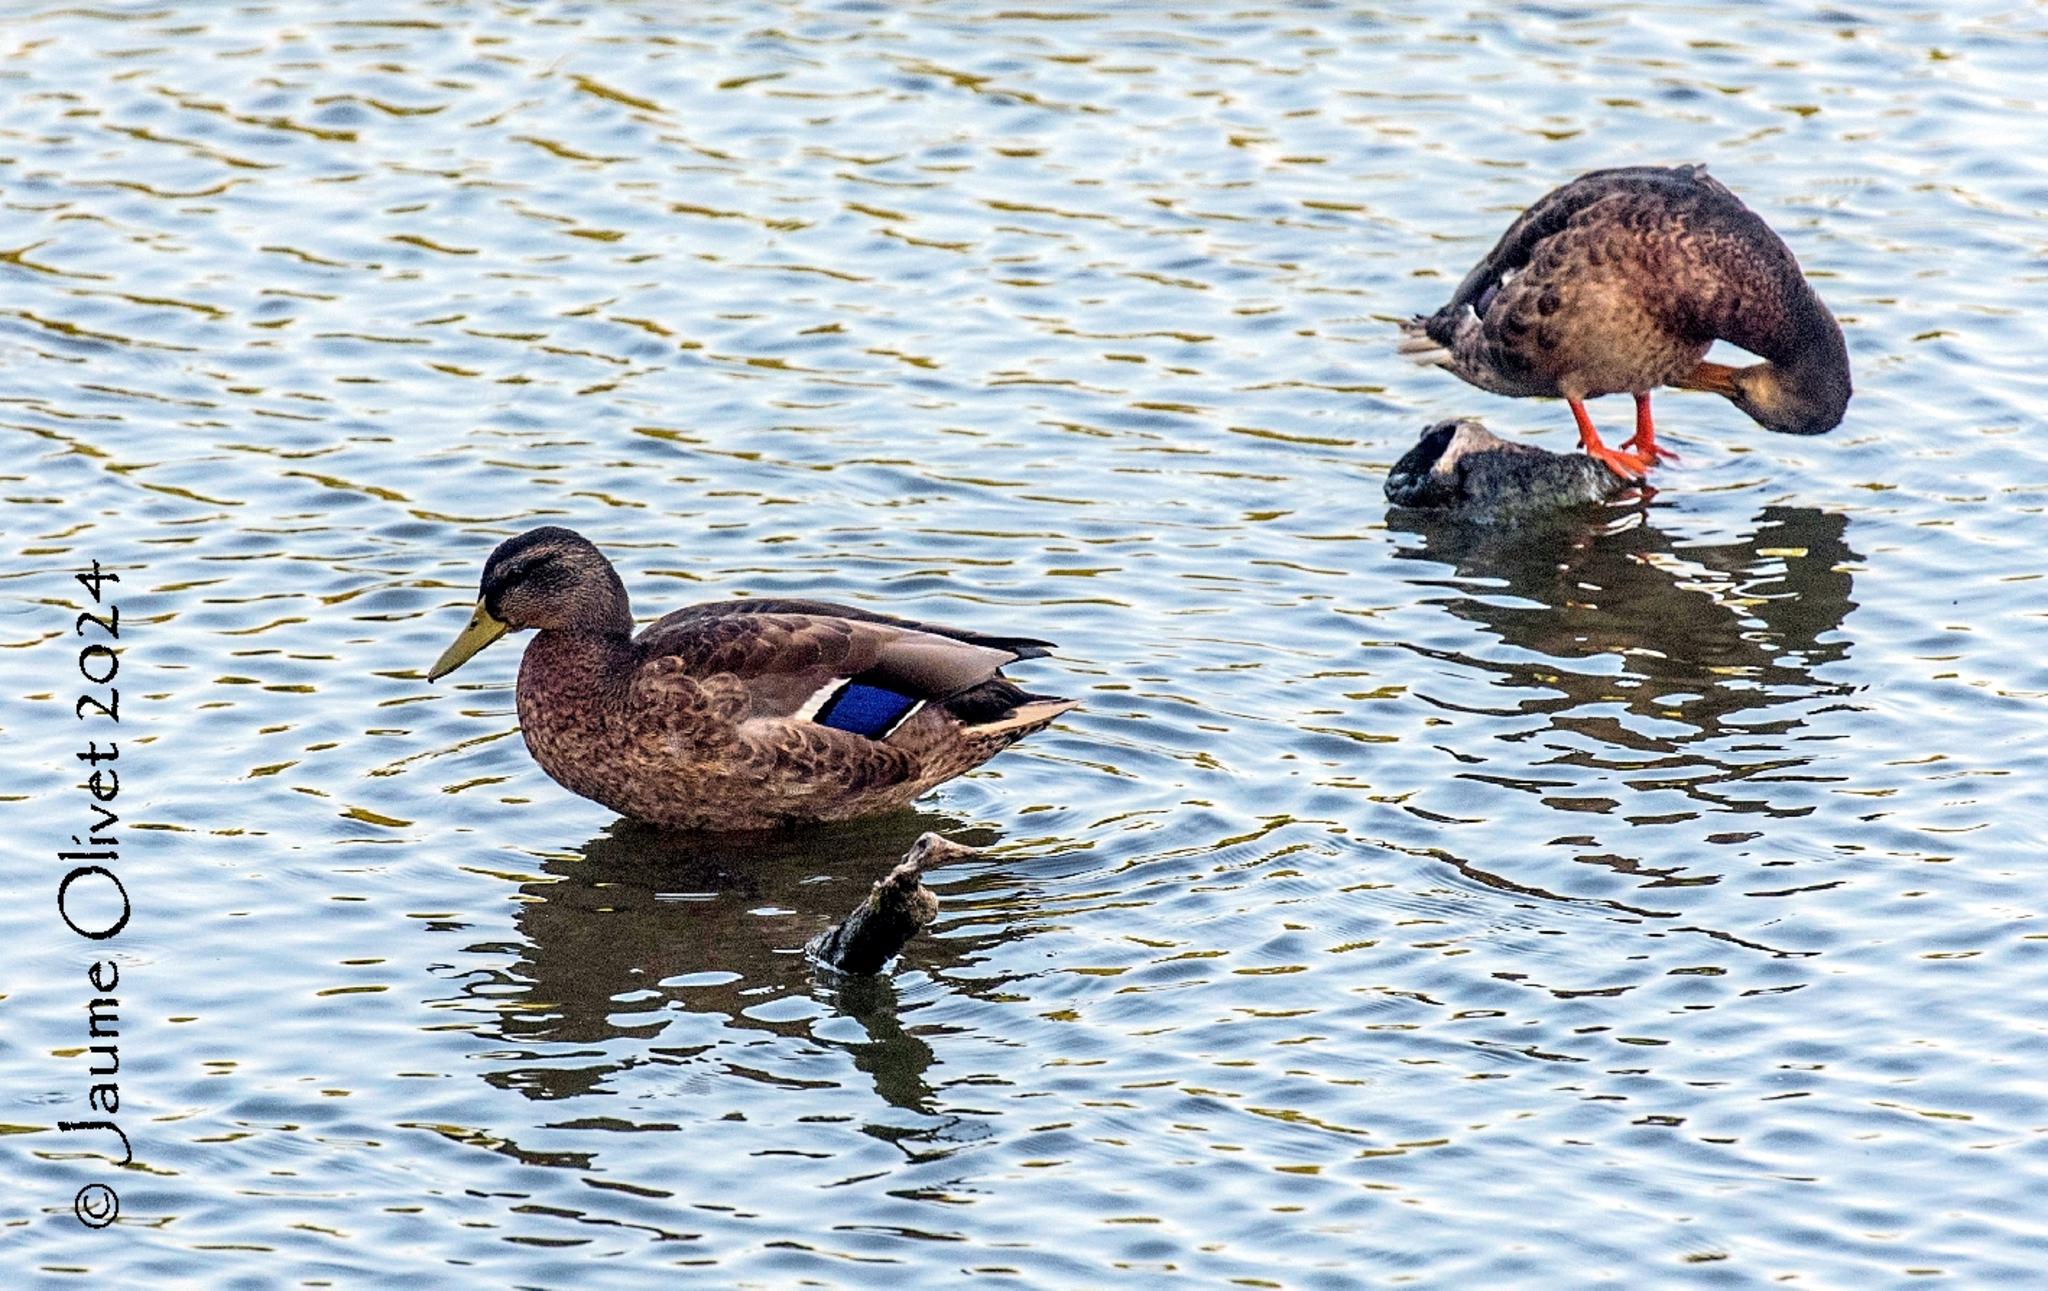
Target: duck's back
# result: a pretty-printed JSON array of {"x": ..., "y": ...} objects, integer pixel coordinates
[
  {"x": 748, "y": 714},
  {"x": 1619, "y": 280}
]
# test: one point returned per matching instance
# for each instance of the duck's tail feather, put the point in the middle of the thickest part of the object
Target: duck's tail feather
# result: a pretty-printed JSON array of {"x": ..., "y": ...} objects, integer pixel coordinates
[
  {"x": 1036, "y": 714},
  {"x": 1000, "y": 704},
  {"x": 1022, "y": 647},
  {"x": 1419, "y": 347}
]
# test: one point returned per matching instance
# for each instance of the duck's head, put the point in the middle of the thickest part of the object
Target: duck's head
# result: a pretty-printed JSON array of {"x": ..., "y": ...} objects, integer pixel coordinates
[
  {"x": 1804, "y": 390},
  {"x": 1793, "y": 401},
  {"x": 548, "y": 577}
]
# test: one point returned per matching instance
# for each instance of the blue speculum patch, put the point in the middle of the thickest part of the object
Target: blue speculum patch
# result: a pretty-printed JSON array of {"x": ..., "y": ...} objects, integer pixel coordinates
[{"x": 865, "y": 710}]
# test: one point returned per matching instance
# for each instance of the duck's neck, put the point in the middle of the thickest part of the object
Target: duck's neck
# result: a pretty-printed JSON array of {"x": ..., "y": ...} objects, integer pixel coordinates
[
  {"x": 598, "y": 606},
  {"x": 573, "y": 670},
  {"x": 582, "y": 652},
  {"x": 1800, "y": 342},
  {"x": 1807, "y": 346}
]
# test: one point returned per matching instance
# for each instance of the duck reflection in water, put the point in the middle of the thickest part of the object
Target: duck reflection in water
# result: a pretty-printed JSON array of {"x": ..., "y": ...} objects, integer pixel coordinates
[
  {"x": 1716, "y": 637},
  {"x": 636, "y": 907}
]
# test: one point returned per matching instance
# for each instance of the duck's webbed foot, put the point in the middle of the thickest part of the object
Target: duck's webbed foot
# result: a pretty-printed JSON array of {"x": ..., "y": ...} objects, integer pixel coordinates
[{"x": 1627, "y": 465}]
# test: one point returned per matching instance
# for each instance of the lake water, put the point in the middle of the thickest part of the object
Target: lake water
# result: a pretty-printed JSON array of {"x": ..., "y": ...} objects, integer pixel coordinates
[{"x": 1657, "y": 900}]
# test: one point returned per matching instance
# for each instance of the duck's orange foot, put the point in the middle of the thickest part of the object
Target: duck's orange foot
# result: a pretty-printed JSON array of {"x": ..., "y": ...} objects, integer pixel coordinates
[
  {"x": 1644, "y": 442},
  {"x": 1651, "y": 452},
  {"x": 1625, "y": 464}
]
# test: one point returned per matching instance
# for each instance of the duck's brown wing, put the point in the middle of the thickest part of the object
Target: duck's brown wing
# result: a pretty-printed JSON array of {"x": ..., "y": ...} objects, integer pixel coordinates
[
  {"x": 789, "y": 656},
  {"x": 1646, "y": 195},
  {"x": 1018, "y": 647}
]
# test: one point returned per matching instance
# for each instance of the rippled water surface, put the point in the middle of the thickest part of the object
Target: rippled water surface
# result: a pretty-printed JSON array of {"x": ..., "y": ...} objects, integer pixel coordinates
[{"x": 1655, "y": 899}]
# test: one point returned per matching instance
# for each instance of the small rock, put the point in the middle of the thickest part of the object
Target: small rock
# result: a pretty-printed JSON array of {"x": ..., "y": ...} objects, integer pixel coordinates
[{"x": 1460, "y": 466}]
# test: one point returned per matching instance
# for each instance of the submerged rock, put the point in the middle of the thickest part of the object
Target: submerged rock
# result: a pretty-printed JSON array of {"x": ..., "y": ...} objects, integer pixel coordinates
[
  {"x": 1460, "y": 466},
  {"x": 896, "y": 909}
]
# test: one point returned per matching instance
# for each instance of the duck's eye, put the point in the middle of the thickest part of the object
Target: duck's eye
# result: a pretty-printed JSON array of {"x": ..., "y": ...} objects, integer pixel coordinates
[
  {"x": 520, "y": 573},
  {"x": 503, "y": 582}
]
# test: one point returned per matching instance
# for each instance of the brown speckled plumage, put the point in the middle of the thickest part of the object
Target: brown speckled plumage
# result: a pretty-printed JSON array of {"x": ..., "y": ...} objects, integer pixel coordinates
[
  {"x": 697, "y": 722},
  {"x": 1621, "y": 280}
]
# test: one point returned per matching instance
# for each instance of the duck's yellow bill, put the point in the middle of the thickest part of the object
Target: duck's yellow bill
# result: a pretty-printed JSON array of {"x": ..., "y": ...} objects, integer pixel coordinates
[{"x": 481, "y": 631}]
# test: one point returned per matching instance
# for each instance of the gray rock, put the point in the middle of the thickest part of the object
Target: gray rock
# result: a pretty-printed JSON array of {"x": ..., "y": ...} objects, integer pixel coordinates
[{"x": 1459, "y": 466}]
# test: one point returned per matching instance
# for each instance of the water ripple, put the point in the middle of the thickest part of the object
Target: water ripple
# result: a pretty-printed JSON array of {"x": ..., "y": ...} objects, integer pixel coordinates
[{"x": 1651, "y": 897}]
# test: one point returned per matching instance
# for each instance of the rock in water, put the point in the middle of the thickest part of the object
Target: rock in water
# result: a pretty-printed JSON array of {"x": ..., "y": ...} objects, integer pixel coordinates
[
  {"x": 896, "y": 908},
  {"x": 1460, "y": 466}
]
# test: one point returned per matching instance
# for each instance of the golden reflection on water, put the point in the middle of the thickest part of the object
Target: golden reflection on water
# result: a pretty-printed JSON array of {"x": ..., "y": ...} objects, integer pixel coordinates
[
  {"x": 1651, "y": 892},
  {"x": 714, "y": 926}
]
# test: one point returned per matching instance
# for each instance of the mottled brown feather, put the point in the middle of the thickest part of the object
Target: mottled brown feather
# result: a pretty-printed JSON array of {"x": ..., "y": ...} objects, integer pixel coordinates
[
  {"x": 693, "y": 722},
  {"x": 1621, "y": 280}
]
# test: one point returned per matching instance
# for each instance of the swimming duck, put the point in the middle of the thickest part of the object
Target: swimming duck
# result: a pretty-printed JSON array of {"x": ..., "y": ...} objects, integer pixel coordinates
[
  {"x": 1622, "y": 280},
  {"x": 739, "y": 715}
]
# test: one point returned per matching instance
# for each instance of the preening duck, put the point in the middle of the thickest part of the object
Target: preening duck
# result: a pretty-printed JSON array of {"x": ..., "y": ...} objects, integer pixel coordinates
[
  {"x": 1621, "y": 281},
  {"x": 739, "y": 715}
]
